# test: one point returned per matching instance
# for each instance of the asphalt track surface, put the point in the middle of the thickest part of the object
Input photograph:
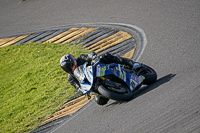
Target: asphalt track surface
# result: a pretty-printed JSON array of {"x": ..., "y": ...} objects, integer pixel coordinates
[{"x": 170, "y": 105}]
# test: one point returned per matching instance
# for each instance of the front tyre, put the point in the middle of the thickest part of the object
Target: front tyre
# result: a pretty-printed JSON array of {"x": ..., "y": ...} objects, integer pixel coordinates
[
  {"x": 149, "y": 74},
  {"x": 111, "y": 93}
]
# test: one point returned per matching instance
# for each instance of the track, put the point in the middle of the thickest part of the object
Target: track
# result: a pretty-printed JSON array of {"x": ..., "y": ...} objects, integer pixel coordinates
[
  {"x": 172, "y": 29},
  {"x": 118, "y": 39}
]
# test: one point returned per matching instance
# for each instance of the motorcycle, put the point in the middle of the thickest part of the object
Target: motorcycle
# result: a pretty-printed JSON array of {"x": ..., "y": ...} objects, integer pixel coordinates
[{"x": 114, "y": 81}]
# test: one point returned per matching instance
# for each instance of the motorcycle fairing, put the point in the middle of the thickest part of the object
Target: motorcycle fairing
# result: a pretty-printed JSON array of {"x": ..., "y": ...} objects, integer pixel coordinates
[
  {"x": 131, "y": 80},
  {"x": 99, "y": 70}
]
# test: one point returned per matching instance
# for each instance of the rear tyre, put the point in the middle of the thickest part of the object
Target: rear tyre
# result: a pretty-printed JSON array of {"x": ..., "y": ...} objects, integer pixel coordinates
[
  {"x": 149, "y": 74},
  {"x": 111, "y": 93}
]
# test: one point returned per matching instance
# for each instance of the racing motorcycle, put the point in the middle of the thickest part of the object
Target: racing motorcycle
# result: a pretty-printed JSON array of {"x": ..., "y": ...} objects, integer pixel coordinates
[{"x": 114, "y": 81}]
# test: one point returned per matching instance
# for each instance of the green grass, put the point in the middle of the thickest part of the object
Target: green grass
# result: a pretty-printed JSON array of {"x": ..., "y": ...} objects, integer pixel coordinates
[{"x": 32, "y": 84}]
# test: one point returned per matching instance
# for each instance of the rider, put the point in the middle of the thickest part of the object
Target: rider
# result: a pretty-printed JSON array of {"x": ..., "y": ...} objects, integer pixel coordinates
[{"x": 69, "y": 63}]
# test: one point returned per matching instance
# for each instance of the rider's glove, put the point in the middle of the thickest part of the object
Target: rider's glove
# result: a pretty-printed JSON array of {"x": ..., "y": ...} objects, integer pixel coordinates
[{"x": 95, "y": 59}]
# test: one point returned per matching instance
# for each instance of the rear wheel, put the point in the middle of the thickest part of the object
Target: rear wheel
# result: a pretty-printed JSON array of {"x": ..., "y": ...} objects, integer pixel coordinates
[
  {"x": 120, "y": 94},
  {"x": 149, "y": 74}
]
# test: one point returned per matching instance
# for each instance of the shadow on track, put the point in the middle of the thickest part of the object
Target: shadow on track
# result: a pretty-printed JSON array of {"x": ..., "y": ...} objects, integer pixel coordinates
[{"x": 145, "y": 89}]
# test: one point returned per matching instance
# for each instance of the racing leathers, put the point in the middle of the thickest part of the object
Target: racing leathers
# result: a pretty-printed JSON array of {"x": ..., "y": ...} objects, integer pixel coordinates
[{"x": 106, "y": 58}]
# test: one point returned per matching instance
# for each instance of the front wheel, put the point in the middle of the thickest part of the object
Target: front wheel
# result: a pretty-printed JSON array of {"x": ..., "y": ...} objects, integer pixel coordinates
[
  {"x": 112, "y": 93},
  {"x": 149, "y": 74}
]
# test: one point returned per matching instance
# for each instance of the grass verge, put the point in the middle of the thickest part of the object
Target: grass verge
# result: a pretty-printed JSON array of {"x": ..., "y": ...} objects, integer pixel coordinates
[{"x": 32, "y": 84}]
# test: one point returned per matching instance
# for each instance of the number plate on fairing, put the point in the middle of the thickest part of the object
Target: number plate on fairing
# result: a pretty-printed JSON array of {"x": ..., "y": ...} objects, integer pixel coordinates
[{"x": 89, "y": 74}]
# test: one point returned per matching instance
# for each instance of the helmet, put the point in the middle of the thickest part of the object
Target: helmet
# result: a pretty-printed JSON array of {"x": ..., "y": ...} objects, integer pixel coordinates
[{"x": 68, "y": 63}]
